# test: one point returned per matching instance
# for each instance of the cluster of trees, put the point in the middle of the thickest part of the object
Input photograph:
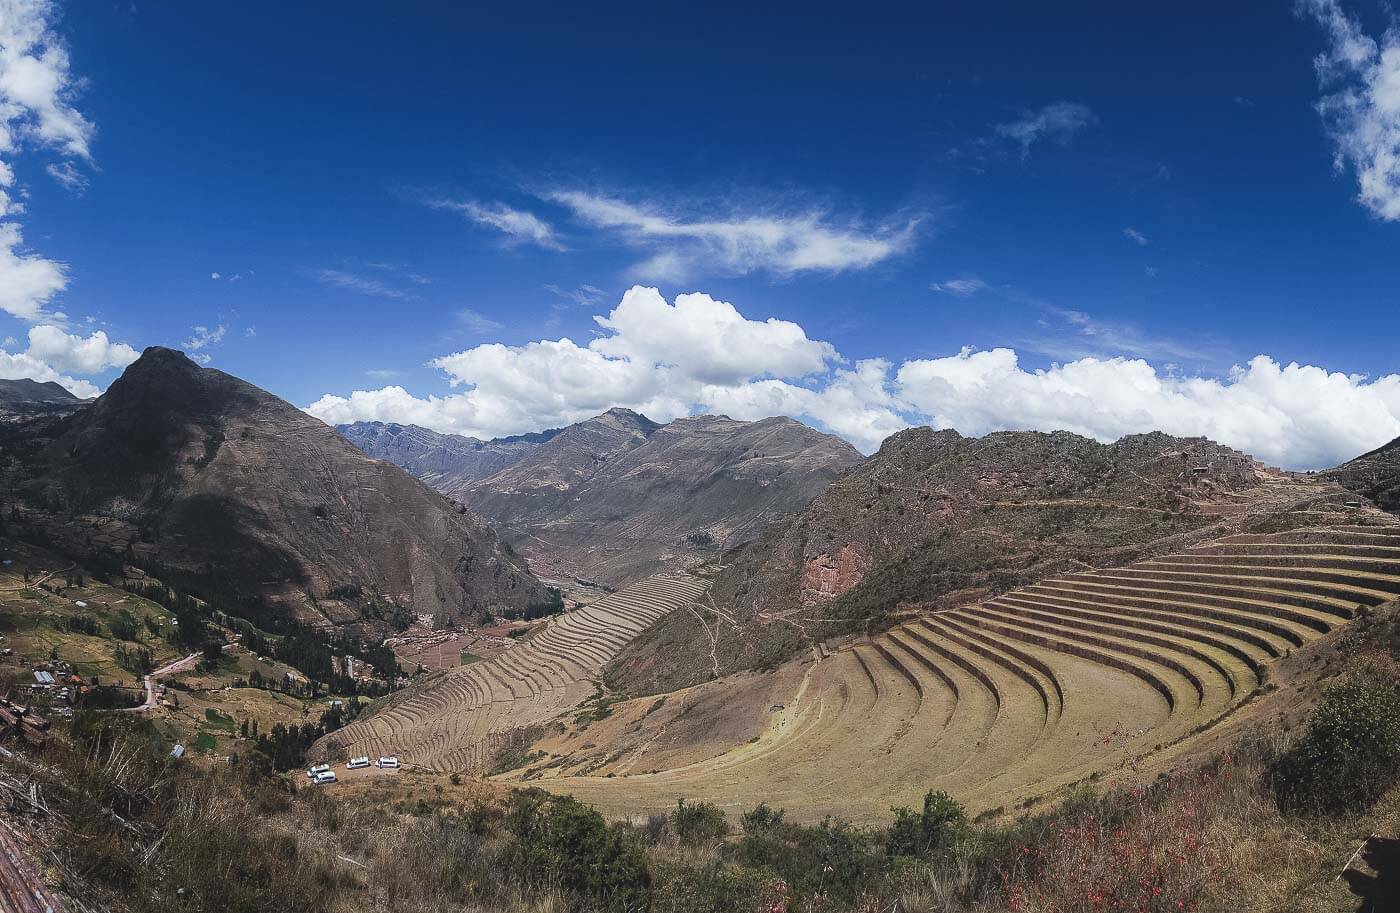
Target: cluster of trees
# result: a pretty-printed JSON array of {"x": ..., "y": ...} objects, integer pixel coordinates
[
  {"x": 310, "y": 651},
  {"x": 552, "y": 604},
  {"x": 285, "y": 745}
]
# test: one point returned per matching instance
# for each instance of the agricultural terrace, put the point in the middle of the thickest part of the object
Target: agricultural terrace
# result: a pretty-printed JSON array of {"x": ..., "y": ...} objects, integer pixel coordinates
[
  {"x": 998, "y": 702},
  {"x": 457, "y": 719}
]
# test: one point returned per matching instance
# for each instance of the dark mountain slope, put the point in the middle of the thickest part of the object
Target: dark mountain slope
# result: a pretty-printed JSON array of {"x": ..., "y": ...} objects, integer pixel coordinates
[
  {"x": 447, "y": 462},
  {"x": 1374, "y": 475},
  {"x": 935, "y": 518},
  {"x": 234, "y": 487},
  {"x": 619, "y": 497}
]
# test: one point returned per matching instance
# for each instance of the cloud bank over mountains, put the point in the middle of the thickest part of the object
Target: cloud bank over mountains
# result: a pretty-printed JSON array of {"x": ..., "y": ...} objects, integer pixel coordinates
[{"x": 698, "y": 354}]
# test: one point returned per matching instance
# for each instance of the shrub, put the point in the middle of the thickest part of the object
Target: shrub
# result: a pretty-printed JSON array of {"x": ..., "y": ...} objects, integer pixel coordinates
[
  {"x": 832, "y": 858},
  {"x": 558, "y": 839},
  {"x": 717, "y": 888},
  {"x": 938, "y": 825},
  {"x": 1349, "y": 753},
  {"x": 698, "y": 822}
]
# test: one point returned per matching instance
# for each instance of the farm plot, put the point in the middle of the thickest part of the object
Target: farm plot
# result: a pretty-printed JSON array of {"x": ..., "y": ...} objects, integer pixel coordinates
[
  {"x": 1046, "y": 685},
  {"x": 456, "y": 720}
]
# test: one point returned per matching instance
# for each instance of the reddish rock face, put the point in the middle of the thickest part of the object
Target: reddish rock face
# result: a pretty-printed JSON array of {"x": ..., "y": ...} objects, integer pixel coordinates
[{"x": 827, "y": 576}]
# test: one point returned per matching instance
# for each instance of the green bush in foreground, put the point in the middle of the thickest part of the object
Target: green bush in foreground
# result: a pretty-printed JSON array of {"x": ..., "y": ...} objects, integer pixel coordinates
[
  {"x": 559, "y": 840},
  {"x": 938, "y": 825},
  {"x": 1349, "y": 753}
]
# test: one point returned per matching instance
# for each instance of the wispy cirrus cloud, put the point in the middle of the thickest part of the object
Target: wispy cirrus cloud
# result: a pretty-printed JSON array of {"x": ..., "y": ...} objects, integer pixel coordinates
[
  {"x": 352, "y": 282},
  {"x": 517, "y": 225},
  {"x": 582, "y": 295},
  {"x": 68, "y": 177},
  {"x": 1137, "y": 237},
  {"x": 960, "y": 288},
  {"x": 684, "y": 241},
  {"x": 478, "y": 322},
  {"x": 1361, "y": 112},
  {"x": 1057, "y": 122}
]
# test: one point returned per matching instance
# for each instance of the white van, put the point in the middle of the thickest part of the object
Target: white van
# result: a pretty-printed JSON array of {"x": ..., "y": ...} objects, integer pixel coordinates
[
  {"x": 325, "y": 776},
  {"x": 357, "y": 763},
  {"x": 319, "y": 769},
  {"x": 390, "y": 761}
]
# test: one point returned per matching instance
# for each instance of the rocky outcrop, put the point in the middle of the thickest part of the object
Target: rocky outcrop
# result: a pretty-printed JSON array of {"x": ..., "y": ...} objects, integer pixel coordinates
[{"x": 1374, "y": 475}]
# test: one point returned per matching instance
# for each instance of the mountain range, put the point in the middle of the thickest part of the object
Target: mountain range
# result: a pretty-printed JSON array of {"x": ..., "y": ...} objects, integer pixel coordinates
[{"x": 619, "y": 497}]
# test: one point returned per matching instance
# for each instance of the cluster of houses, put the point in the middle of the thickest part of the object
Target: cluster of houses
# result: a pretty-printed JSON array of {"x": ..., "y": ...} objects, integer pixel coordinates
[{"x": 60, "y": 682}]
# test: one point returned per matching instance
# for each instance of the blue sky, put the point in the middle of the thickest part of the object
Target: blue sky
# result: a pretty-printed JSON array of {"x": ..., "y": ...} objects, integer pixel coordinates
[{"x": 871, "y": 208}]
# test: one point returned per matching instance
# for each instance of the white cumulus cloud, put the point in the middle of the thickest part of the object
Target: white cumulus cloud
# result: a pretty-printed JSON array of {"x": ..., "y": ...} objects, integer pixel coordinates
[
  {"x": 52, "y": 351},
  {"x": 698, "y": 354},
  {"x": 1295, "y": 415},
  {"x": 36, "y": 95},
  {"x": 1361, "y": 109}
]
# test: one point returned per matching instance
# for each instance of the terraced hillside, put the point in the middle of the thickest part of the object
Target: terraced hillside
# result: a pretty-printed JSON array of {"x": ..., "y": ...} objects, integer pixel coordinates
[
  {"x": 997, "y": 701},
  {"x": 455, "y": 720}
]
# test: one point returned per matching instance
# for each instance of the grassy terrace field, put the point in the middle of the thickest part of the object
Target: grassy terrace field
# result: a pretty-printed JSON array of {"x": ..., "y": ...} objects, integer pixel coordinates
[
  {"x": 999, "y": 702},
  {"x": 457, "y": 719}
]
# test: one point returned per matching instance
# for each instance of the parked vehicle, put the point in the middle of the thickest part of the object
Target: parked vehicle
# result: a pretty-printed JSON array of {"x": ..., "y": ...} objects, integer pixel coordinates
[
  {"x": 390, "y": 761},
  {"x": 325, "y": 776},
  {"x": 357, "y": 763},
  {"x": 319, "y": 769}
]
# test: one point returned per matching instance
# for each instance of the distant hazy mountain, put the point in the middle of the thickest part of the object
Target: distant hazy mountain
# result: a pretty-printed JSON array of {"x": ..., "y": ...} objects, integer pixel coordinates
[
  {"x": 618, "y": 496},
  {"x": 25, "y": 391},
  {"x": 1374, "y": 475},
  {"x": 231, "y": 486},
  {"x": 447, "y": 462}
]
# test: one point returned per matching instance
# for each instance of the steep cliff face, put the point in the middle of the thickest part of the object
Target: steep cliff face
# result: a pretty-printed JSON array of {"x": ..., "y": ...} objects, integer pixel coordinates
[{"x": 230, "y": 485}]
